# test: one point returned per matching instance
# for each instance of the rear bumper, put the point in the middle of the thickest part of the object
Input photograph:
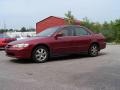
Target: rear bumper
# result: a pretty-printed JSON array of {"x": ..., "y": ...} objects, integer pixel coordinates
[{"x": 103, "y": 45}]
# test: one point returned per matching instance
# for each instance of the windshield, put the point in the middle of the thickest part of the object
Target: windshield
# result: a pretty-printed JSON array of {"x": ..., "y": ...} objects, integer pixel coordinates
[
  {"x": 4, "y": 36},
  {"x": 48, "y": 32}
]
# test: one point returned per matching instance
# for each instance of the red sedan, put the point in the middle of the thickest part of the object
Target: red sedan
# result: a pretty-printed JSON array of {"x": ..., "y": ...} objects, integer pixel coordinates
[
  {"x": 4, "y": 40},
  {"x": 61, "y": 40}
]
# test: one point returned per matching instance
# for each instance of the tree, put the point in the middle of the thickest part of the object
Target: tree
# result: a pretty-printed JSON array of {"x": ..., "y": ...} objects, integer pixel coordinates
[
  {"x": 117, "y": 30},
  {"x": 86, "y": 22},
  {"x": 96, "y": 27},
  {"x": 31, "y": 29},
  {"x": 69, "y": 18},
  {"x": 23, "y": 29},
  {"x": 10, "y": 30},
  {"x": 2, "y": 30}
]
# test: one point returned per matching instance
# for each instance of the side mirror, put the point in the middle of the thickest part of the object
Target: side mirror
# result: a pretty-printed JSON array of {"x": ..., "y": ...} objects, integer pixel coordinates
[{"x": 58, "y": 35}]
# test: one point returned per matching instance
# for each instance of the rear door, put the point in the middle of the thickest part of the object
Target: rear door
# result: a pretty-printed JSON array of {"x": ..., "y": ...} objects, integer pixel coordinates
[{"x": 82, "y": 39}]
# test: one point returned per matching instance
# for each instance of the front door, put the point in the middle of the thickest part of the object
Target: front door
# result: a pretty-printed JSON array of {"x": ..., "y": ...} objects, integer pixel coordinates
[{"x": 63, "y": 44}]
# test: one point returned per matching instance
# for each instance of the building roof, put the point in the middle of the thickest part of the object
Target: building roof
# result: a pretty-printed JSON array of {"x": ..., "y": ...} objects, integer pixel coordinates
[
  {"x": 76, "y": 21},
  {"x": 50, "y": 17}
]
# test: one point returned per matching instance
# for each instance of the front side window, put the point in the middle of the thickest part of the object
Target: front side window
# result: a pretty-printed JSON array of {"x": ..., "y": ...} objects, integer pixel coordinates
[
  {"x": 67, "y": 31},
  {"x": 80, "y": 31}
]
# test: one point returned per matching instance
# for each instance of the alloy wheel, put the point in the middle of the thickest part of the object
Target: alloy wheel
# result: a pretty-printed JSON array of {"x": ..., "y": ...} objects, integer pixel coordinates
[
  {"x": 93, "y": 50},
  {"x": 40, "y": 54}
]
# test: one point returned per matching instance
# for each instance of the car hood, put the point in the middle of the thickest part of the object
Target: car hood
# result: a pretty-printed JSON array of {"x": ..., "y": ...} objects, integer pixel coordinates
[{"x": 28, "y": 40}]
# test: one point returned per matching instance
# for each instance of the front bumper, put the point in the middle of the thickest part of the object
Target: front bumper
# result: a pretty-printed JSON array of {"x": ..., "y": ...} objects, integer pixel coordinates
[
  {"x": 22, "y": 53},
  {"x": 2, "y": 45}
]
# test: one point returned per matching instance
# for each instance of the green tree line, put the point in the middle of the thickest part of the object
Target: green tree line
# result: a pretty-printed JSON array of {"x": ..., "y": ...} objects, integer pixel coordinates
[
  {"x": 23, "y": 29},
  {"x": 111, "y": 30}
]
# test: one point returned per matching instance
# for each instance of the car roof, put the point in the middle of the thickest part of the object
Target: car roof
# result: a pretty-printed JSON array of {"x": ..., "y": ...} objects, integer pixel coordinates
[
  {"x": 63, "y": 26},
  {"x": 69, "y": 26}
]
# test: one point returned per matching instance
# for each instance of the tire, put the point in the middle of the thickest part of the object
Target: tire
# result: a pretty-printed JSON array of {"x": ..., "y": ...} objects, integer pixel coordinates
[
  {"x": 40, "y": 54},
  {"x": 93, "y": 50}
]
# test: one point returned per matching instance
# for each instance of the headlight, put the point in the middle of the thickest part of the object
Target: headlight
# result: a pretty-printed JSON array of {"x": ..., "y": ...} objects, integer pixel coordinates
[{"x": 23, "y": 45}]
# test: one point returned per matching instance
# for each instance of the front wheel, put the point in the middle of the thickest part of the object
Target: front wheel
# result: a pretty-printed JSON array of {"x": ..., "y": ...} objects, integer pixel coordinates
[
  {"x": 40, "y": 54},
  {"x": 93, "y": 50}
]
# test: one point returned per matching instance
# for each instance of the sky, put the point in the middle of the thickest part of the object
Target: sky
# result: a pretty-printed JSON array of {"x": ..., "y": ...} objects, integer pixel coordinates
[{"x": 18, "y": 13}]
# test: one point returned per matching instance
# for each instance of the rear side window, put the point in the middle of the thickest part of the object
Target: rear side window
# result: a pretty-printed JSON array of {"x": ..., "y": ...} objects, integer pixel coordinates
[{"x": 80, "y": 31}]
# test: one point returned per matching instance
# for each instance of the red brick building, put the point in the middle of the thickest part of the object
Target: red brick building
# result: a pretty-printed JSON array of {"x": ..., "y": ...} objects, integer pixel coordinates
[{"x": 50, "y": 22}]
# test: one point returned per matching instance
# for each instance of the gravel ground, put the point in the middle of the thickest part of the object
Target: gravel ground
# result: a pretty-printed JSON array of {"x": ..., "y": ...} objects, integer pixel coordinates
[{"x": 78, "y": 72}]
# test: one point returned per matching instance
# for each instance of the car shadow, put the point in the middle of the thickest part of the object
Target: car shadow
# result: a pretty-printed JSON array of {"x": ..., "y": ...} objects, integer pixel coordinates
[
  {"x": 2, "y": 49},
  {"x": 22, "y": 61},
  {"x": 54, "y": 59},
  {"x": 73, "y": 56}
]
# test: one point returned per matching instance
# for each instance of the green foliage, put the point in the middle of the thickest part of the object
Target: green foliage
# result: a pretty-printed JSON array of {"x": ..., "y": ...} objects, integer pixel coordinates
[
  {"x": 111, "y": 30},
  {"x": 3, "y": 30},
  {"x": 23, "y": 29},
  {"x": 69, "y": 18}
]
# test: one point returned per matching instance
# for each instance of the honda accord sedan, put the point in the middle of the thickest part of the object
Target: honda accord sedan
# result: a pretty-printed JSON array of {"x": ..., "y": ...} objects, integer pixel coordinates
[{"x": 55, "y": 41}]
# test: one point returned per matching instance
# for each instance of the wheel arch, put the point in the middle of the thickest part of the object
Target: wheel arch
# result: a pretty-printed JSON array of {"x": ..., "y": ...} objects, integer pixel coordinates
[
  {"x": 96, "y": 44},
  {"x": 44, "y": 45}
]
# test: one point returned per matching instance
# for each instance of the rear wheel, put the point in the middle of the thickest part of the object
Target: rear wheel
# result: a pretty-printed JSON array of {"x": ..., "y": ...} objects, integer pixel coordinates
[
  {"x": 40, "y": 54},
  {"x": 93, "y": 50}
]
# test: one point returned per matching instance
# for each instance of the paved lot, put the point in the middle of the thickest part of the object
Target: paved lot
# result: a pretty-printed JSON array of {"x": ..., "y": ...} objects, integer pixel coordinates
[{"x": 65, "y": 73}]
